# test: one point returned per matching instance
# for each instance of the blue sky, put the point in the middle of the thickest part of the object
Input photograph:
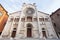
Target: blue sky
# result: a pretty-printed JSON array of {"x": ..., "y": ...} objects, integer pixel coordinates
[{"x": 46, "y": 6}]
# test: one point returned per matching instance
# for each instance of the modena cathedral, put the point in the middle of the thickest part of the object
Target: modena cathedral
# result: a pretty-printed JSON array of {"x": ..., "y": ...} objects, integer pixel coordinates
[{"x": 29, "y": 24}]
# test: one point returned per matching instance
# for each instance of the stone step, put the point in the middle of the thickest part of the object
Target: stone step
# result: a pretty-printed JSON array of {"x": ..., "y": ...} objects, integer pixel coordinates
[
  {"x": 26, "y": 39},
  {"x": 52, "y": 39},
  {"x": 20, "y": 39}
]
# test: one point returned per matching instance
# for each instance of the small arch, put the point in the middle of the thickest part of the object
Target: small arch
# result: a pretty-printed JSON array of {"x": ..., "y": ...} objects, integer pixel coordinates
[
  {"x": 29, "y": 25},
  {"x": 43, "y": 29},
  {"x": 29, "y": 18}
]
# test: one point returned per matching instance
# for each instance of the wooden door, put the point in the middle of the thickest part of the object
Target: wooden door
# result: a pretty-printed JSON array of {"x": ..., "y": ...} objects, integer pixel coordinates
[
  {"x": 13, "y": 34},
  {"x": 29, "y": 32},
  {"x": 44, "y": 34}
]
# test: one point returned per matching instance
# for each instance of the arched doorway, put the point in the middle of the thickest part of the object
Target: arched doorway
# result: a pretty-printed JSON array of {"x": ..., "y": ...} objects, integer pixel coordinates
[
  {"x": 29, "y": 30},
  {"x": 44, "y": 32}
]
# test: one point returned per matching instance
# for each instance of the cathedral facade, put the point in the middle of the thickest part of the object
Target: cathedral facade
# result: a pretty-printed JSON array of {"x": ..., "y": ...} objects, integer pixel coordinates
[{"x": 29, "y": 23}]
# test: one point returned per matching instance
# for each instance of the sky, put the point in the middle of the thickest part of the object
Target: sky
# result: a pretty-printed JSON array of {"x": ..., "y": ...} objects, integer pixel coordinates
[{"x": 46, "y": 6}]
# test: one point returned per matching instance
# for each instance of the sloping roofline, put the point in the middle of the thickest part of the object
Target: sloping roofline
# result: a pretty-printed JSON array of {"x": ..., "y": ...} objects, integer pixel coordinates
[
  {"x": 43, "y": 12},
  {"x": 14, "y": 12},
  {"x": 55, "y": 12},
  {"x": 4, "y": 9}
]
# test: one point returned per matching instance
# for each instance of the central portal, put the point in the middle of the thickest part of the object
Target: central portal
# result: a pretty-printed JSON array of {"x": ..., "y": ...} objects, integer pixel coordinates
[{"x": 29, "y": 30}]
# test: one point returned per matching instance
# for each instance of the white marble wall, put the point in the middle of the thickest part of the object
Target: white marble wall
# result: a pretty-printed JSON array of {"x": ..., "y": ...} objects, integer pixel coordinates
[{"x": 37, "y": 28}]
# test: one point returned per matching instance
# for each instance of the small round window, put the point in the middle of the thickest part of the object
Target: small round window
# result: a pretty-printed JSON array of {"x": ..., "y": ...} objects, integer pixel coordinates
[{"x": 30, "y": 11}]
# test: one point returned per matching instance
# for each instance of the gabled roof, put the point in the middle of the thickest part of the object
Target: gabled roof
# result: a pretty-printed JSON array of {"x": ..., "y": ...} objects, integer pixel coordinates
[{"x": 20, "y": 11}]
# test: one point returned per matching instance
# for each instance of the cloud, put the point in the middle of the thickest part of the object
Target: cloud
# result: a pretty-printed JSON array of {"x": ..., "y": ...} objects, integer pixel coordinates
[
  {"x": 47, "y": 6},
  {"x": 19, "y": 1},
  {"x": 54, "y": 6}
]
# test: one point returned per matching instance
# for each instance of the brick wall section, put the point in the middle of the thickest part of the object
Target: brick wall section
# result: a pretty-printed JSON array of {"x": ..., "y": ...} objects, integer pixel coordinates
[
  {"x": 55, "y": 17},
  {"x": 3, "y": 18}
]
